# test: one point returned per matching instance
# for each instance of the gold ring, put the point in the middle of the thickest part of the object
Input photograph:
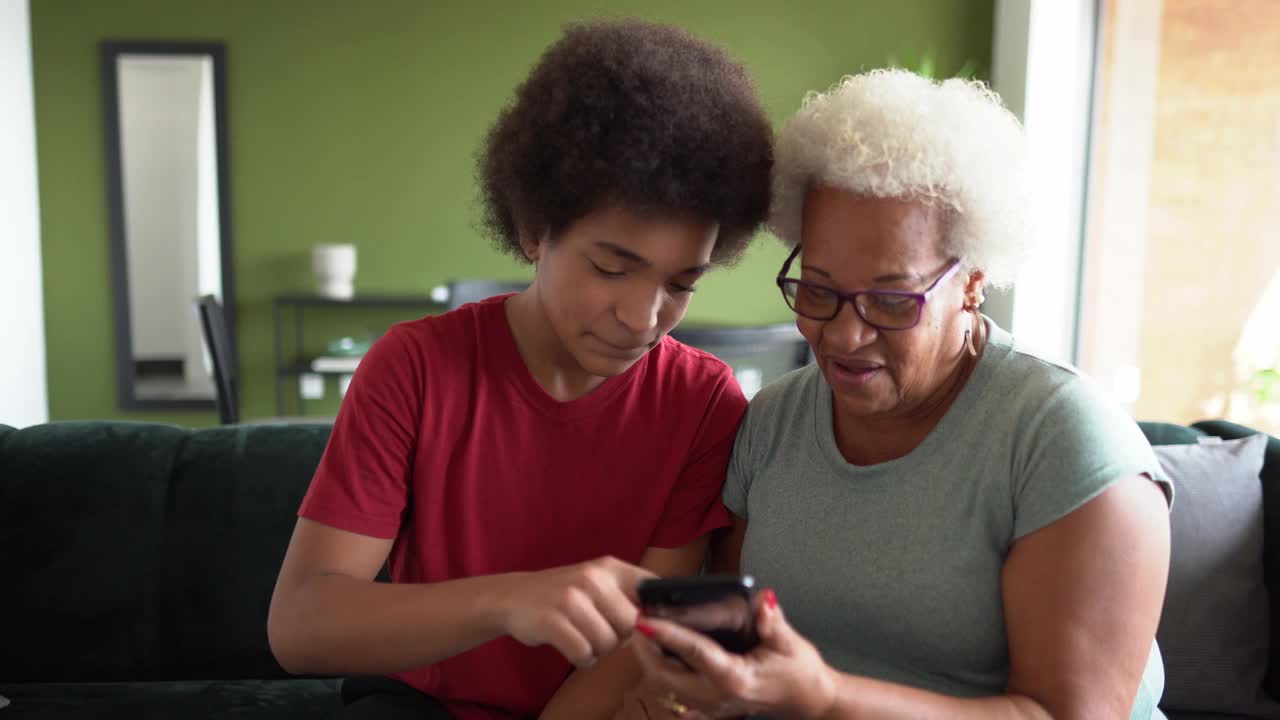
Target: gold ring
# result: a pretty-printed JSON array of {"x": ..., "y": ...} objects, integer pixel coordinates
[{"x": 674, "y": 706}]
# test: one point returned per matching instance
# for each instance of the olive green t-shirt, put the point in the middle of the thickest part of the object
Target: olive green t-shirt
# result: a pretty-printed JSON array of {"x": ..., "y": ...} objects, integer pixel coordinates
[{"x": 893, "y": 570}]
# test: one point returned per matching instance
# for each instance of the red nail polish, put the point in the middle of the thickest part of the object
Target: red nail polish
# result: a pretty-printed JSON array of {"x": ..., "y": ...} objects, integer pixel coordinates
[
  {"x": 770, "y": 599},
  {"x": 644, "y": 630}
]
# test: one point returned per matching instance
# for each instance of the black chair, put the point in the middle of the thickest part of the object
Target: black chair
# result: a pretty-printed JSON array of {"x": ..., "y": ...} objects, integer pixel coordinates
[
  {"x": 217, "y": 339},
  {"x": 218, "y": 342},
  {"x": 464, "y": 291}
]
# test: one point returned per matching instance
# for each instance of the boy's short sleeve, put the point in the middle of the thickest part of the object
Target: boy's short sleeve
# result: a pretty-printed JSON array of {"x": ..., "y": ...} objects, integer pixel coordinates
[
  {"x": 694, "y": 507},
  {"x": 362, "y": 483}
]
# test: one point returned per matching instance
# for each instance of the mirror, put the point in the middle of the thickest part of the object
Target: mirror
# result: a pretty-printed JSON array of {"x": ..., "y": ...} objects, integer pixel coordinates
[{"x": 166, "y": 147}]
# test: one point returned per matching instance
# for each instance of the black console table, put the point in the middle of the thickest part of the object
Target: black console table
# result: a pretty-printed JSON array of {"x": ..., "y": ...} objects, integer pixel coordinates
[
  {"x": 768, "y": 350},
  {"x": 292, "y": 365}
]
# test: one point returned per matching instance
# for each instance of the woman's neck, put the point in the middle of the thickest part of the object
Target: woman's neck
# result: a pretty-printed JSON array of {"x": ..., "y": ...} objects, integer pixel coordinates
[
  {"x": 547, "y": 359},
  {"x": 877, "y": 439}
]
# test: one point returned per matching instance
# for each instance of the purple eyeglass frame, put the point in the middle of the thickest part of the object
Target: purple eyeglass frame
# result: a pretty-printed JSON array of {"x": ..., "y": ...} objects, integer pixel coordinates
[{"x": 851, "y": 298}]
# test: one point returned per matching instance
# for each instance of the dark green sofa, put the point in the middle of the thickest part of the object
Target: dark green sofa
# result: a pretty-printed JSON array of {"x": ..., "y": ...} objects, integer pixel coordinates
[{"x": 138, "y": 562}]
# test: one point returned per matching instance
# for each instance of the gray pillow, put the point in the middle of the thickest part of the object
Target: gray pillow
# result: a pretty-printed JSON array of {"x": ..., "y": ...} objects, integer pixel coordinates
[{"x": 1214, "y": 628}]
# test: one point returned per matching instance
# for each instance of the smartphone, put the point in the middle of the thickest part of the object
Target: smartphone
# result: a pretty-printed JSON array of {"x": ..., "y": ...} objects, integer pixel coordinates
[{"x": 719, "y": 606}]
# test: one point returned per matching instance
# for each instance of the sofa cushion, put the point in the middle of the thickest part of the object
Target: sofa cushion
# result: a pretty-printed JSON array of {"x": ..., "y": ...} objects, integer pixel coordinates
[
  {"x": 239, "y": 699},
  {"x": 232, "y": 506},
  {"x": 1271, "y": 521},
  {"x": 1213, "y": 627},
  {"x": 81, "y": 523},
  {"x": 146, "y": 551}
]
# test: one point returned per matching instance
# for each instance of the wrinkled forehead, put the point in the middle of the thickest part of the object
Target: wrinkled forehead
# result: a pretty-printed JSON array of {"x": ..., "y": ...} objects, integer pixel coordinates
[{"x": 872, "y": 237}]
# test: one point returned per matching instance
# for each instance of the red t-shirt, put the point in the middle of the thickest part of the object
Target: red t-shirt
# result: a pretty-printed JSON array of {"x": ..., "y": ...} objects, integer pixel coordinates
[{"x": 446, "y": 443}]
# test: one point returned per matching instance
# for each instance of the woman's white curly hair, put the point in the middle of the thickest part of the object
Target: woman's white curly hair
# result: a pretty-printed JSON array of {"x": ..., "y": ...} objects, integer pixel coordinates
[{"x": 891, "y": 133}]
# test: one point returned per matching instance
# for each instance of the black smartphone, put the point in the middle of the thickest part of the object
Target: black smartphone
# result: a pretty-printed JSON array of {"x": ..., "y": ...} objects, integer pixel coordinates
[{"x": 719, "y": 606}]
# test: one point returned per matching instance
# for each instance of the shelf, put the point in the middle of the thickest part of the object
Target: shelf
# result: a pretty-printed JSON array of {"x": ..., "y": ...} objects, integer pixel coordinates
[
  {"x": 779, "y": 340},
  {"x": 294, "y": 370},
  {"x": 361, "y": 301}
]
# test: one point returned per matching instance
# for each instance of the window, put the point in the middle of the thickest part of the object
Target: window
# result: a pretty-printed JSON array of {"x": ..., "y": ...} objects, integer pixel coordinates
[{"x": 1180, "y": 313}]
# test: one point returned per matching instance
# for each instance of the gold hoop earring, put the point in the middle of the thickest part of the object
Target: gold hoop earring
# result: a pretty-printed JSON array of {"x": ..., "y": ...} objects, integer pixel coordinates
[{"x": 970, "y": 346}]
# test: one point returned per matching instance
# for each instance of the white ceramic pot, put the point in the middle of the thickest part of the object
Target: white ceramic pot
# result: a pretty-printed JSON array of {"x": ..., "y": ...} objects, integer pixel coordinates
[{"x": 335, "y": 269}]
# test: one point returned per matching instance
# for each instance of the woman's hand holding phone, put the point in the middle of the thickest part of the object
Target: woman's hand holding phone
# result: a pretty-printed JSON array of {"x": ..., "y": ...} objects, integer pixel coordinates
[
  {"x": 783, "y": 675},
  {"x": 584, "y": 611}
]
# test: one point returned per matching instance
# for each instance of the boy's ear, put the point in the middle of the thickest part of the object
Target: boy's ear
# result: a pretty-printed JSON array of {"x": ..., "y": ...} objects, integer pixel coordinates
[{"x": 530, "y": 242}]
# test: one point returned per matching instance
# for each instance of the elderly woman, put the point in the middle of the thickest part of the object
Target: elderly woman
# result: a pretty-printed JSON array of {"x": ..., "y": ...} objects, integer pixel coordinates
[{"x": 955, "y": 528}]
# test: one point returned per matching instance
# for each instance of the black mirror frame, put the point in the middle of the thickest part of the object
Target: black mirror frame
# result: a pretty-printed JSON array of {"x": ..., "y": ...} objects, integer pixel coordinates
[{"x": 111, "y": 50}]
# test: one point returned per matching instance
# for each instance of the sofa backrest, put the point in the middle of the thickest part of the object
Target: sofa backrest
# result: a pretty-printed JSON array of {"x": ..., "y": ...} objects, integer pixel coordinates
[
  {"x": 1170, "y": 434},
  {"x": 137, "y": 551}
]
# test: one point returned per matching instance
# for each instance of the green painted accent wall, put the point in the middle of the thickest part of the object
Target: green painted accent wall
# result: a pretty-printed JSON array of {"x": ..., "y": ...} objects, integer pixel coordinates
[{"x": 359, "y": 122}]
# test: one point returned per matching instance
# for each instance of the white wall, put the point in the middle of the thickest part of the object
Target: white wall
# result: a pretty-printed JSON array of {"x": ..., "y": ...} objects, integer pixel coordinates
[
  {"x": 1043, "y": 67},
  {"x": 23, "y": 395}
]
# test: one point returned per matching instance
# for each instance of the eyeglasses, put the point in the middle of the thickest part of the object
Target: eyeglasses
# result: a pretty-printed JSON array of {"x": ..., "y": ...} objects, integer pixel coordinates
[{"x": 881, "y": 309}]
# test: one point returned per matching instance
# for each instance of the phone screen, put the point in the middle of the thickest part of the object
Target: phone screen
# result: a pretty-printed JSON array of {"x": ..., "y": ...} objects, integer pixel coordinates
[{"x": 719, "y": 607}]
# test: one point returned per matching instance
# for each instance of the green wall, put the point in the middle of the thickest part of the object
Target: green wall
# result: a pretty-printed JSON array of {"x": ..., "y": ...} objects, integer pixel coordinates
[{"x": 359, "y": 121}]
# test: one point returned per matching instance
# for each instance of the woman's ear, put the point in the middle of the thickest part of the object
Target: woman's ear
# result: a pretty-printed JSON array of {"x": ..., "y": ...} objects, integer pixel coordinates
[{"x": 973, "y": 290}]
